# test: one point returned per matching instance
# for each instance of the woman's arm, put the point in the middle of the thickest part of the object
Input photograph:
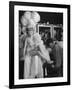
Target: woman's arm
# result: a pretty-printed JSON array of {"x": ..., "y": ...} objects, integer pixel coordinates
[
  {"x": 44, "y": 54},
  {"x": 44, "y": 58}
]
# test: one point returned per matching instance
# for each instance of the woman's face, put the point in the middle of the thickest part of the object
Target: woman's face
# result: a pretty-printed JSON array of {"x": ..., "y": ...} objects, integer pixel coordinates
[{"x": 30, "y": 31}]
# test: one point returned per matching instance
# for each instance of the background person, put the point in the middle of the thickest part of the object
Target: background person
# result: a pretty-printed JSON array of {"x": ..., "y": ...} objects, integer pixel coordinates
[{"x": 57, "y": 56}]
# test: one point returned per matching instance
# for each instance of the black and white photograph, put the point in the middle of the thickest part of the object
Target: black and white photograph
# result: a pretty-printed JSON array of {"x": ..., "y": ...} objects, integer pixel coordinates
[{"x": 40, "y": 45}]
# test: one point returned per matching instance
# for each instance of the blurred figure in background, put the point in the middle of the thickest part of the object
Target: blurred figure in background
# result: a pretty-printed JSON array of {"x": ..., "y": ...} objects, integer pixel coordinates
[{"x": 56, "y": 55}]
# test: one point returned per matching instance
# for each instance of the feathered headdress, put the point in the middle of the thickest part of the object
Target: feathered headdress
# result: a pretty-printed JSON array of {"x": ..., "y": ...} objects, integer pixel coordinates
[{"x": 30, "y": 19}]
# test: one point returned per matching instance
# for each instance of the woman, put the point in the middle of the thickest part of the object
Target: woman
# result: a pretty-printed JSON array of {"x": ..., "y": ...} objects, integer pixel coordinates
[
  {"x": 34, "y": 51},
  {"x": 35, "y": 55}
]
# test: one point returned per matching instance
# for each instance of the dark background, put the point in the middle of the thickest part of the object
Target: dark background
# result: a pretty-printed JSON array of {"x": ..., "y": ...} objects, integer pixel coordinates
[{"x": 51, "y": 17}]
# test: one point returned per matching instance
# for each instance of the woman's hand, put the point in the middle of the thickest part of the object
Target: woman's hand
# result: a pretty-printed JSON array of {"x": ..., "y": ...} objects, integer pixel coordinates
[{"x": 44, "y": 58}]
